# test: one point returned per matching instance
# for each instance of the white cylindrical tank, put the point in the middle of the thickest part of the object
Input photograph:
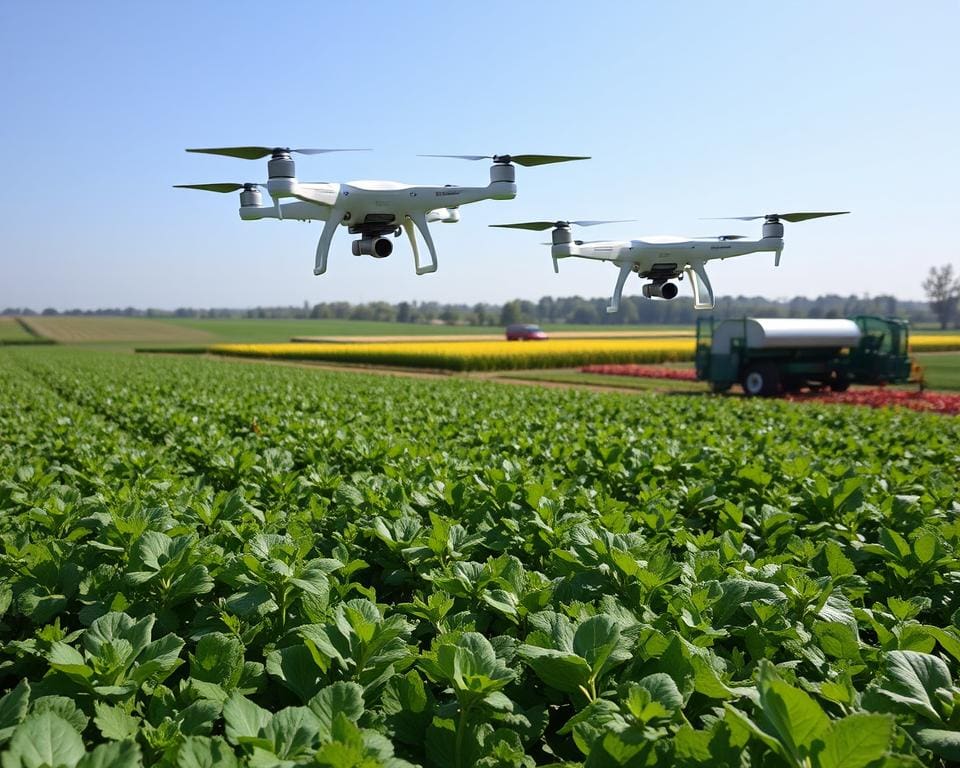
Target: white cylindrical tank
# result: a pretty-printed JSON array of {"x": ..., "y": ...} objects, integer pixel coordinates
[{"x": 784, "y": 333}]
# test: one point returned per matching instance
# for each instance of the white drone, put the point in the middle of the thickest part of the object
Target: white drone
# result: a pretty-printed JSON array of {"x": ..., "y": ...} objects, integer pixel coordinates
[
  {"x": 371, "y": 209},
  {"x": 662, "y": 258}
]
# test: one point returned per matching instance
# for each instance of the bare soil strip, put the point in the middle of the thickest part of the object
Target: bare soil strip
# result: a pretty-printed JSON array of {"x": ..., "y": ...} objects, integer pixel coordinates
[{"x": 69, "y": 329}]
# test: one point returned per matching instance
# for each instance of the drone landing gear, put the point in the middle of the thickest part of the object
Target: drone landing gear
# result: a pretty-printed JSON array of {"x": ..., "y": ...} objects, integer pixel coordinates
[
  {"x": 420, "y": 219},
  {"x": 702, "y": 290},
  {"x": 625, "y": 270},
  {"x": 323, "y": 247}
]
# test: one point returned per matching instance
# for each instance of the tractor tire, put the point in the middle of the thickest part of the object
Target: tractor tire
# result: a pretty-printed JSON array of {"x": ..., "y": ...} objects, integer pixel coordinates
[
  {"x": 719, "y": 387},
  {"x": 840, "y": 383},
  {"x": 762, "y": 380}
]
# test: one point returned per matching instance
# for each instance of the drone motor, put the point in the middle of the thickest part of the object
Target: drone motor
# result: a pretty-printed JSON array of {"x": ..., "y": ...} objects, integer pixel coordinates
[
  {"x": 772, "y": 227},
  {"x": 250, "y": 196}
]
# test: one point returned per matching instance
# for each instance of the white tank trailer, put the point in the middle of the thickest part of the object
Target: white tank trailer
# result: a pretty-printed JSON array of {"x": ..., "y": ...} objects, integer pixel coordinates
[{"x": 768, "y": 356}]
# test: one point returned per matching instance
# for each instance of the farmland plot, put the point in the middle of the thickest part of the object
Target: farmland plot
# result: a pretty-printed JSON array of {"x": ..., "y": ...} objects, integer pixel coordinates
[{"x": 207, "y": 564}]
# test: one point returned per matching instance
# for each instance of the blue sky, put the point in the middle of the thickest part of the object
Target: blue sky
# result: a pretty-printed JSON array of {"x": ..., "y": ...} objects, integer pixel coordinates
[{"x": 689, "y": 110}]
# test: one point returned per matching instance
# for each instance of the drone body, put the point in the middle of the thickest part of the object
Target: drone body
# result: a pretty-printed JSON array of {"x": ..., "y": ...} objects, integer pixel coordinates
[
  {"x": 661, "y": 259},
  {"x": 374, "y": 210}
]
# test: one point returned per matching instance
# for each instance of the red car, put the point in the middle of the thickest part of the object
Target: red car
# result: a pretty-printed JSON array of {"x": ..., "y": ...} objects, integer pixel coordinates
[{"x": 524, "y": 332}]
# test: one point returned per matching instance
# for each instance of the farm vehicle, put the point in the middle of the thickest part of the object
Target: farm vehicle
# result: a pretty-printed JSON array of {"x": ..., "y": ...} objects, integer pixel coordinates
[{"x": 769, "y": 356}]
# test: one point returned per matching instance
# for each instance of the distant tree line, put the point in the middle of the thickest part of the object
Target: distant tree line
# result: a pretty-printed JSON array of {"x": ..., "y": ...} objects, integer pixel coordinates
[{"x": 570, "y": 309}]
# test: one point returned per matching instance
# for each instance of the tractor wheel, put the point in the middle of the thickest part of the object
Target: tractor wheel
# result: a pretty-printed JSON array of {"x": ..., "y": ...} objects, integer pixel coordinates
[
  {"x": 840, "y": 383},
  {"x": 761, "y": 380},
  {"x": 719, "y": 387}
]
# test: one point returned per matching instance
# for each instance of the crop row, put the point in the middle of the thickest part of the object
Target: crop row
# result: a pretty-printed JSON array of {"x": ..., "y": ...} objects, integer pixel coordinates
[
  {"x": 504, "y": 355},
  {"x": 476, "y": 355},
  {"x": 204, "y": 563}
]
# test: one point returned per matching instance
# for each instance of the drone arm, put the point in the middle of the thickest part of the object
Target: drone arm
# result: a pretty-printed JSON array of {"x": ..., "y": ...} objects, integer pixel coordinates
[
  {"x": 625, "y": 269},
  {"x": 323, "y": 247},
  {"x": 420, "y": 219},
  {"x": 702, "y": 290}
]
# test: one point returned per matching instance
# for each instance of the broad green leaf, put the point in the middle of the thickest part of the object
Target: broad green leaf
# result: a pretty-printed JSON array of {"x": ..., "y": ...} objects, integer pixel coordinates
[
  {"x": 837, "y": 640},
  {"x": 566, "y": 672},
  {"x": 948, "y": 639},
  {"x": 914, "y": 680},
  {"x": 67, "y": 659},
  {"x": 597, "y": 640},
  {"x": 946, "y": 744},
  {"x": 204, "y": 752},
  {"x": 295, "y": 666},
  {"x": 292, "y": 731},
  {"x": 43, "y": 740},
  {"x": 791, "y": 715},
  {"x": 112, "y": 627},
  {"x": 340, "y": 697},
  {"x": 663, "y": 689},
  {"x": 409, "y": 707},
  {"x": 856, "y": 741},
  {"x": 243, "y": 718},
  {"x": 219, "y": 659},
  {"x": 197, "y": 719},
  {"x": 894, "y": 543},
  {"x": 62, "y": 706},
  {"x": 158, "y": 659},
  {"x": 118, "y": 754},
  {"x": 471, "y": 665},
  {"x": 13, "y": 707},
  {"x": 114, "y": 723}
]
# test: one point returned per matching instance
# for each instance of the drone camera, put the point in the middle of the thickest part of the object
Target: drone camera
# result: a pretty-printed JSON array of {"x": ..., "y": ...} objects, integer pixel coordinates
[
  {"x": 378, "y": 247},
  {"x": 660, "y": 290}
]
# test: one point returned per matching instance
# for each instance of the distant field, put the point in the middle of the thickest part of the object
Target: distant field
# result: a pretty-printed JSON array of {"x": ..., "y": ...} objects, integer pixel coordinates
[
  {"x": 77, "y": 330},
  {"x": 11, "y": 330},
  {"x": 941, "y": 371},
  {"x": 273, "y": 331},
  {"x": 110, "y": 332}
]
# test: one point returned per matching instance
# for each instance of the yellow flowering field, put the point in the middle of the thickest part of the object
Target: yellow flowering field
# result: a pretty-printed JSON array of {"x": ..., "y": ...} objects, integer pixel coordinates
[
  {"x": 934, "y": 342},
  {"x": 477, "y": 355}
]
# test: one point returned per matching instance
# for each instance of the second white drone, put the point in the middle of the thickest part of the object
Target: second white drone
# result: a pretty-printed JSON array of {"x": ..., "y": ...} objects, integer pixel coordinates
[
  {"x": 663, "y": 258},
  {"x": 372, "y": 209}
]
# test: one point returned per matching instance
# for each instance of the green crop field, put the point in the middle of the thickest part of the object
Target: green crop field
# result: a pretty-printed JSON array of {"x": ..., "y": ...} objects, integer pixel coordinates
[
  {"x": 211, "y": 564},
  {"x": 941, "y": 370},
  {"x": 242, "y": 330},
  {"x": 13, "y": 332}
]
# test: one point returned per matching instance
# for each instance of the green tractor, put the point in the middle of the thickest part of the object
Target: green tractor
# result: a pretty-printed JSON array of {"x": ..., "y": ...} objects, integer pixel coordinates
[{"x": 769, "y": 356}]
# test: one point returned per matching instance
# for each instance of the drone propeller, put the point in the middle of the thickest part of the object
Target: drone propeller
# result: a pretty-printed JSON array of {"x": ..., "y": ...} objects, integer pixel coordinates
[
  {"x": 225, "y": 187},
  {"x": 540, "y": 226},
  {"x": 774, "y": 217},
  {"x": 255, "y": 153},
  {"x": 721, "y": 237},
  {"x": 524, "y": 160}
]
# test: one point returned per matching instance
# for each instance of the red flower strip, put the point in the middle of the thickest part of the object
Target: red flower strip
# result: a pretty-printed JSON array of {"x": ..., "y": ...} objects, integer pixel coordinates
[{"x": 642, "y": 371}]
